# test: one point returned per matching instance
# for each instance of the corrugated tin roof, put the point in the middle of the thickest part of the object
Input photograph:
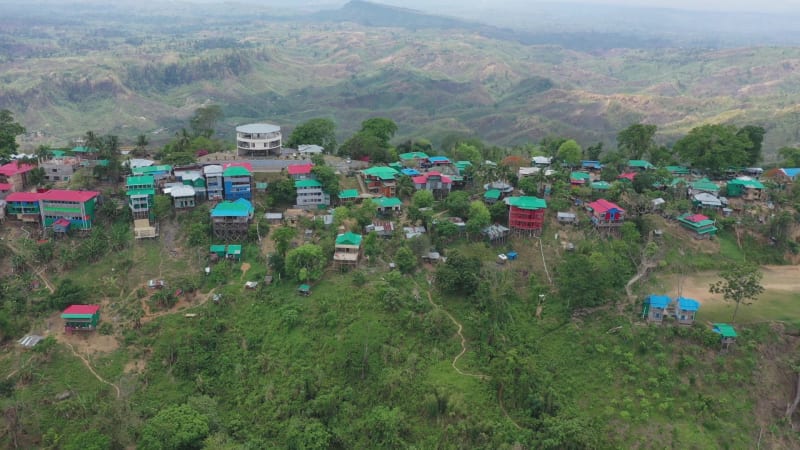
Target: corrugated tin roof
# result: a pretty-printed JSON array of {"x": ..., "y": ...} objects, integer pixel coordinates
[
  {"x": 299, "y": 169},
  {"x": 141, "y": 180},
  {"x": 388, "y": 202},
  {"x": 658, "y": 301},
  {"x": 236, "y": 172},
  {"x": 348, "y": 193},
  {"x": 59, "y": 195},
  {"x": 348, "y": 238},
  {"x": 77, "y": 310},
  {"x": 526, "y": 202},
  {"x": 413, "y": 155},
  {"x": 725, "y": 330},
  {"x": 307, "y": 183},
  {"x": 23, "y": 197},
  {"x": 602, "y": 205},
  {"x": 688, "y": 304},
  {"x": 382, "y": 172},
  {"x": 492, "y": 194},
  {"x": 640, "y": 163}
]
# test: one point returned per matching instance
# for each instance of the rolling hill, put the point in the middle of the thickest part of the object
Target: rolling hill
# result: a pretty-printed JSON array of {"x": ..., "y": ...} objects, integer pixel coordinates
[{"x": 439, "y": 77}]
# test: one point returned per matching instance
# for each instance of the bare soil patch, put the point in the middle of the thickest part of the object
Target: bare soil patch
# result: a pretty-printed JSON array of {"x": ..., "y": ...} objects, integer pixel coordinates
[{"x": 776, "y": 279}]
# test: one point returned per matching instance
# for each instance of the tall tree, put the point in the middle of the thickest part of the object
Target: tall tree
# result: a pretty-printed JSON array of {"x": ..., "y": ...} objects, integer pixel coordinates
[
  {"x": 791, "y": 156},
  {"x": 9, "y": 130},
  {"x": 636, "y": 140},
  {"x": 305, "y": 263},
  {"x": 570, "y": 152},
  {"x": 380, "y": 127},
  {"x": 741, "y": 283},
  {"x": 713, "y": 148},
  {"x": 479, "y": 217},
  {"x": 141, "y": 145},
  {"x": 755, "y": 135},
  {"x": 205, "y": 119},
  {"x": 593, "y": 152},
  {"x": 319, "y": 131},
  {"x": 283, "y": 238},
  {"x": 328, "y": 178}
]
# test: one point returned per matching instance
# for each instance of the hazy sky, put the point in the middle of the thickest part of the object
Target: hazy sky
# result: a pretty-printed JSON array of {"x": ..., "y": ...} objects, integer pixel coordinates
[{"x": 725, "y": 5}]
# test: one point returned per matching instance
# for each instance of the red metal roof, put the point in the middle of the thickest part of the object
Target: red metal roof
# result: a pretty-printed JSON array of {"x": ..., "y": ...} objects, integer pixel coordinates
[
  {"x": 15, "y": 167},
  {"x": 627, "y": 176},
  {"x": 246, "y": 165},
  {"x": 423, "y": 179},
  {"x": 62, "y": 222},
  {"x": 69, "y": 196},
  {"x": 23, "y": 197},
  {"x": 696, "y": 218},
  {"x": 81, "y": 309},
  {"x": 5, "y": 187},
  {"x": 602, "y": 206},
  {"x": 299, "y": 169}
]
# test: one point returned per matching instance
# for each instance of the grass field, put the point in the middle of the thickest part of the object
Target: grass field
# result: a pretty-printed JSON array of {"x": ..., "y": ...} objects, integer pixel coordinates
[{"x": 780, "y": 301}]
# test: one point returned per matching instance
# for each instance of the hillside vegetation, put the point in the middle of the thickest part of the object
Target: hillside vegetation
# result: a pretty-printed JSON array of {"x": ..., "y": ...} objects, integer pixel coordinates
[{"x": 62, "y": 79}]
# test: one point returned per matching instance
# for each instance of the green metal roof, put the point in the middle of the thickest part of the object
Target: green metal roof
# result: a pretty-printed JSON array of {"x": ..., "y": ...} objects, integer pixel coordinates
[
  {"x": 600, "y": 185},
  {"x": 82, "y": 149},
  {"x": 103, "y": 162},
  {"x": 304, "y": 287},
  {"x": 234, "y": 250},
  {"x": 348, "y": 193},
  {"x": 141, "y": 180},
  {"x": 236, "y": 171},
  {"x": 640, "y": 163},
  {"x": 132, "y": 192},
  {"x": 579, "y": 176},
  {"x": 705, "y": 185},
  {"x": 748, "y": 183},
  {"x": 413, "y": 155},
  {"x": 388, "y": 202},
  {"x": 492, "y": 194},
  {"x": 382, "y": 172},
  {"x": 57, "y": 153},
  {"x": 307, "y": 183},
  {"x": 217, "y": 249},
  {"x": 349, "y": 238},
  {"x": 151, "y": 169},
  {"x": 725, "y": 330},
  {"x": 526, "y": 202},
  {"x": 261, "y": 185},
  {"x": 678, "y": 170}
]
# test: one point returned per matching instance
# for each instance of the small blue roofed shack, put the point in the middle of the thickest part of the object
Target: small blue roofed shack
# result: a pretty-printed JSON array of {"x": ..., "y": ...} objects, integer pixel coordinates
[
  {"x": 655, "y": 307},
  {"x": 686, "y": 310},
  {"x": 727, "y": 334}
]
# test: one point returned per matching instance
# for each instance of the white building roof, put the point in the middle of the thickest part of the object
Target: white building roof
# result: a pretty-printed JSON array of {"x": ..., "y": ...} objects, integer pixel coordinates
[
  {"x": 181, "y": 191},
  {"x": 188, "y": 174},
  {"x": 258, "y": 128},
  {"x": 542, "y": 160},
  {"x": 707, "y": 199},
  {"x": 212, "y": 169},
  {"x": 140, "y": 162},
  {"x": 307, "y": 149}
]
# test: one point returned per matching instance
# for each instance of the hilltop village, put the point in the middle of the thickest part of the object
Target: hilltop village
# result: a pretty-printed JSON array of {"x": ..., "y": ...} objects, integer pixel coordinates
[{"x": 572, "y": 231}]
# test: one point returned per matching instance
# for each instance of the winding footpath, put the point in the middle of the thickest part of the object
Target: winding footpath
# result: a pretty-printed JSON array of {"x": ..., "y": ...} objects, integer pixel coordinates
[
  {"x": 454, "y": 363},
  {"x": 91, "y": 369}
]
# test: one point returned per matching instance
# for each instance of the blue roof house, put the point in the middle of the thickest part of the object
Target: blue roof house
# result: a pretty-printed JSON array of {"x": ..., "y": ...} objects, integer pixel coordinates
[
  {"x": 686, "y": 310},
  {"x": 655, "y": 307}
]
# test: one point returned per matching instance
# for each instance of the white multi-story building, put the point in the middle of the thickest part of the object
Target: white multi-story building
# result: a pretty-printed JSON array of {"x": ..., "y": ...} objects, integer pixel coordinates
[
  {"x": 258, "y": 139},
  {"x": 310, "y": 194}
]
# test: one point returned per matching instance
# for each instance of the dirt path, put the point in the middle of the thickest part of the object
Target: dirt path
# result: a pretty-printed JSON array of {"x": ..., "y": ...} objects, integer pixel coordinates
[
  {"x": 463, "y": 351},
  {"x": 39, "y": 273},
  {"x": 91, "y": 369},
  {"x": 459, "y": 333}
]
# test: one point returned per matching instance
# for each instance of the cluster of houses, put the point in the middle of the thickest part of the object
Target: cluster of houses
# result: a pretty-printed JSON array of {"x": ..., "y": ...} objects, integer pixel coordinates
[{"x": 683, "y": 311}]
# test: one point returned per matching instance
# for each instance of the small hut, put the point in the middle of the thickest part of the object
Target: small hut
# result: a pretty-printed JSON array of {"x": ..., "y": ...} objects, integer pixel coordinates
[
  {"x": 217, "y": 250},
  {"x": 81, "y": 318},
  {"x": 655, "y": 307},
  {"x": 234, "y": 253},
  {"x": 686, "y": 310},
  {"x": 727, "y": 334},
  {"x": 304, "y": 290}
]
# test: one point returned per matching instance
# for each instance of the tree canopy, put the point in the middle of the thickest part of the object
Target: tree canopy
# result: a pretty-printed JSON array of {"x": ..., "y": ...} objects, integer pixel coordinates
[
  {"x": 714, "y": 148},
  {"x": 318, "y": 131},
  {"x": 205, "y": 119},
  {"x": 637, "y": 140},
  {"x": 9, "y": 130},
  {"x": 570, "y": 152},
  {"x": 305, "y": 263},
  {"x": 740, "y": 283}
]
